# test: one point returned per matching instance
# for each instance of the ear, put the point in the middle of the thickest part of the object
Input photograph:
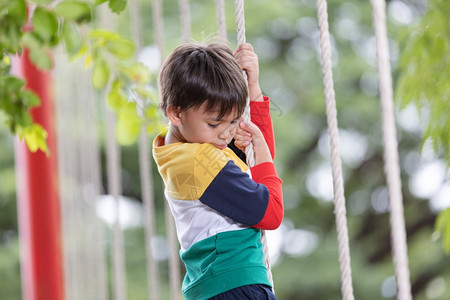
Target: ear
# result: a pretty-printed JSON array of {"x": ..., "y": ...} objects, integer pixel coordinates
[{"x": 174, "y": 115}]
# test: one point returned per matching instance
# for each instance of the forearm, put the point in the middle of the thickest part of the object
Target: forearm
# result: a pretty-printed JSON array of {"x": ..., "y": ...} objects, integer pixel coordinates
[
  {"x": 260, "y": 116},
  {"x": 266, "y": 174},
  {"x": 254, "y": 93},
  {"x": 261, "y": 152}
]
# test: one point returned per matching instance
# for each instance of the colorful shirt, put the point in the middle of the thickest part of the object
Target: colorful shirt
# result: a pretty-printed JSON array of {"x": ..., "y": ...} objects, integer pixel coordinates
[{"x": 219, "y": 206}]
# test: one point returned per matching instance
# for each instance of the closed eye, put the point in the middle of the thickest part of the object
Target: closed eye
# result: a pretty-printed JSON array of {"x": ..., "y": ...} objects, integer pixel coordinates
[{"x": 213, "y": 125}]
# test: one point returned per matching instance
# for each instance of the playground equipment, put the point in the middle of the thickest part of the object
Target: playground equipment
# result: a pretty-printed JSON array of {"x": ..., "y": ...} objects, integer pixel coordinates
[{"x": 76, "y": 204}]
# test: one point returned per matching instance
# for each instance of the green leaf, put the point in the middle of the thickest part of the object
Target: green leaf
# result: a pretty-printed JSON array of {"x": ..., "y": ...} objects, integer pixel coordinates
[
  {"x": 117, "y": 6},
  {"x": 116, "y": 99},
  {"x": 35, "y": 137},
  {"x": 102, "y": 34},
  {"x": 13, "y": 84},
  {"x": 14, "y": 34},
  {"x": 40, "y": 58},
  {"x": 137, "y": 73},
  {"x": 31, "y": 41},
  {"x": 41, "y": 1},
  {"x": 98, "y": 2},
  {"x": 442, "y": 226},
  {"x": 72, "y": 38},
  {"x": 17, "y": 8},
  {"x": 121, "y": 48},
  {"x": 100, "y": 75},
  {"x": 5, "y": 65},
  {"x": 146, "y": 92},
  {"x": 128, "y": 125},
  {"x": 73, "y": 10},
  {"x": 45, "y": 24},
  {"x": 30, "y": 99},
  {"x": 152, "y": 113}
]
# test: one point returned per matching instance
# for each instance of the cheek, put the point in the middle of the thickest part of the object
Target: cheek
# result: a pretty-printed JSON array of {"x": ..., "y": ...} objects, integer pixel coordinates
[{"x": 233, "y": 130}]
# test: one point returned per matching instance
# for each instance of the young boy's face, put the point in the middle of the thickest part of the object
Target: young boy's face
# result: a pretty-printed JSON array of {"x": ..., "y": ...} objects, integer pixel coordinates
[{"x": 197, "y": 125}]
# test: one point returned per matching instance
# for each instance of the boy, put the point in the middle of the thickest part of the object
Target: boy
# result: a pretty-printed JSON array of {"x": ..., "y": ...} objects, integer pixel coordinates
[{"x": 218, "y": 208}]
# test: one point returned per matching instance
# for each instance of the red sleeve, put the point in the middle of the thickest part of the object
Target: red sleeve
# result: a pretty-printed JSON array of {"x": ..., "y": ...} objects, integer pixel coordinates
[
  {"x": 266, "y": 174},
  {"x": 260, "y": 116}
]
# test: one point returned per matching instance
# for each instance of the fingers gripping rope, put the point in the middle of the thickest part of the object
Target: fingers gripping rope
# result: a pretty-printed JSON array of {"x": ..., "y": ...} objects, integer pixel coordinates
[{"x": 240, "y": 26}]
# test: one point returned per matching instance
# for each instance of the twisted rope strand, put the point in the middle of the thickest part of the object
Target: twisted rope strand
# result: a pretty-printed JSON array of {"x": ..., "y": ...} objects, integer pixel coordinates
[
  {"x": 114, "y": 187},
  {"x": 158, "y": 25},
  {"x": 185, "y": 17},
  {"x": 240, "y": 26},
  {"x": 174, "y": 261},
  {"x": 146, "y": 176},
  {"x": 391, "y": 161},
  {"x": 338, "y": 187},
  {"x": 221, "y": 24}
]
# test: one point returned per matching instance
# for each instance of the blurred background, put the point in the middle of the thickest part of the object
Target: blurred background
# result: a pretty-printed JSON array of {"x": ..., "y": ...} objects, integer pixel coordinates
[{"x": 303, "y": 250}]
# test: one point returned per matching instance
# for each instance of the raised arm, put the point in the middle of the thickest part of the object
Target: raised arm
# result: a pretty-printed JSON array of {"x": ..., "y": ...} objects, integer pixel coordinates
[
  {"x": 260, "y": 116},
  {"x": 259, "y": 104},
  {"x": 256, "y": 201}
]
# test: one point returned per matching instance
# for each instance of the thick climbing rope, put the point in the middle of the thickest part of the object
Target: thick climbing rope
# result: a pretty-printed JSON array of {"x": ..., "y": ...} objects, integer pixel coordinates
[
  {"x": 174, "y": 260},
  {"x": 91, "y": 152},
  {"x": 185, "y": 17},
  {"x": 79, "y": 188},
  {"x": 240, "y": 27},
  {"x": 221, "y": 24},
  {"x": 158, "y": 25},
  {"x": 145, "y": 170},
  {"x": 114, "y": 186},
  {"x": 336, "y": 164},
  {"x": 391, "y": 162}
]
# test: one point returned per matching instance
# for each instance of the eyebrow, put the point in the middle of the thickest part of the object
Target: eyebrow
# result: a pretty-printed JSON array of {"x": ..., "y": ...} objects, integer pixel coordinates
[{"x": 220, "y": 119}]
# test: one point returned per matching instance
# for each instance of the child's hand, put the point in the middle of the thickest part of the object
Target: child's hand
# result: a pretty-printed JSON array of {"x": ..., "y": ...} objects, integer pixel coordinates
[
  {"x": 248, "y": 133},
  {"x": 248, "y": 61}
]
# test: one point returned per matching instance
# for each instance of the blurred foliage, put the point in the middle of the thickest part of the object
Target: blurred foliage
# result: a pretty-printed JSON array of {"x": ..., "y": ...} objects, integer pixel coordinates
[
  {"x": 443, "y": 225},
  {"x": 111, "y": 56},
  {"x": 10, "y": 287},
  {"x": 425, "y": 70},
  {"x": 285, "y": 37},
  {"x": 424, "y": 81}
]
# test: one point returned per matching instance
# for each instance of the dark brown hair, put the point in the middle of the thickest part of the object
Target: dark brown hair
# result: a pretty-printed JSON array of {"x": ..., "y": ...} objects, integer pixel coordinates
[{"x": 195, "y": 73}]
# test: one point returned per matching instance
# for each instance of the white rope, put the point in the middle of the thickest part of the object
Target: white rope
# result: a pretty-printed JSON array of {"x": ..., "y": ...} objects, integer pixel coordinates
[
  {"x": 240, "y": 27},
  {"x": 68, "y": 183},
  {"x": 91, "y": 183},
  {"x": 145, "y": 171},
  {"x": 79, "y": 184},
  {"x": 114, "y": 186},
  {"x": 174, "y": 260},
  {"x": 338, "y": 187},
  {"x": 391, "y": 162},
  {"x": 148, "y": 200},
  {"x": 158, "y": 25},
  {"x": 93, "y": 167},
  {"x": 185, "y": 17},
  {"x": 221, "y": 24}
]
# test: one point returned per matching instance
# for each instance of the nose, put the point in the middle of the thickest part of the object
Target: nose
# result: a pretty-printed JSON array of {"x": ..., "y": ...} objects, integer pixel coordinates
[
  {"x": 225, "y": 135},
  {"x": 228, "y": 132}
]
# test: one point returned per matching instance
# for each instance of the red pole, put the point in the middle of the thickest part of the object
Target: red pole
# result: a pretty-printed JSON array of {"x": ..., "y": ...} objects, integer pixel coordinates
[{"x": 37, "y": 197}]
